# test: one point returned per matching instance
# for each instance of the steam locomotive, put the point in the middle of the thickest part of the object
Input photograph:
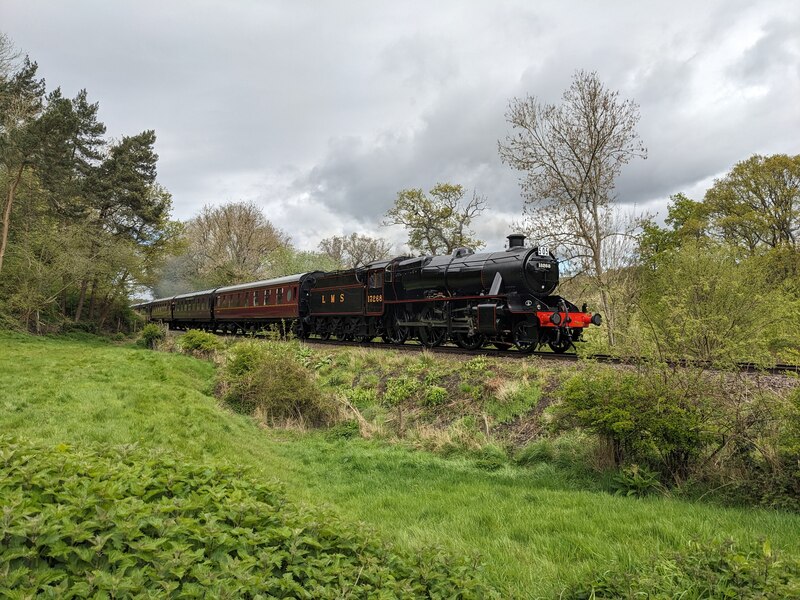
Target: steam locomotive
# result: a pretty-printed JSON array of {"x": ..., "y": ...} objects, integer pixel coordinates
[{"x": 500, "y": 298}]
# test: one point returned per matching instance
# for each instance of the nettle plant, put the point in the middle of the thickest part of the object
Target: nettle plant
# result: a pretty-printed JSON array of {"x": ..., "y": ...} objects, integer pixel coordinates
[{"x": 123, "y": 522}]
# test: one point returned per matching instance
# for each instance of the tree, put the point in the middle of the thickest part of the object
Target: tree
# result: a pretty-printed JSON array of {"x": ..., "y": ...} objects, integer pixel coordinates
[
  {"x": 354, "y": 250},
  {"x": 129, "y": 212},
  {"x": 687, "y": 220},
  {"x": 8, "y": 56},
  {"x": 705, "y": 303},
  {"x": 437, "y": 222},
  {"x": 21, "y": 106},
  {"x": 229, "y": 243},
  {"x": 287, "y": 260},
  {"x": 571, "y": 155},
  {"x": 757, "y": 205}
]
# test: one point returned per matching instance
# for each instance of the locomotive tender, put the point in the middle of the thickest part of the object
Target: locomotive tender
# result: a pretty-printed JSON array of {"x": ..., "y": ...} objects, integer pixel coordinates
[{"x": 501, "y": 298}]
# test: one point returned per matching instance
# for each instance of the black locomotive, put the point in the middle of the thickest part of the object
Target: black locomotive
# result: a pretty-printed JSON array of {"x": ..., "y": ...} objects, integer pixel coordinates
[{"x": 501, "y": 298}]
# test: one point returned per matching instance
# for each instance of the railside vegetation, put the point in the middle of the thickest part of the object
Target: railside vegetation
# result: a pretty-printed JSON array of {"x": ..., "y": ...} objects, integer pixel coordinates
[{"x": 540, "y": 530}]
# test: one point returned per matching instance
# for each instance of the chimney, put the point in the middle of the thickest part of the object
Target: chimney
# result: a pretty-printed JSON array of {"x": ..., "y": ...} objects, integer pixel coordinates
[{"x": 516, "y": 240}]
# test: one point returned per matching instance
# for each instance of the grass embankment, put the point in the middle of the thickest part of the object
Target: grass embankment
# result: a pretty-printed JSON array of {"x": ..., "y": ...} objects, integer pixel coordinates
[{"x": 537, "y": 531}]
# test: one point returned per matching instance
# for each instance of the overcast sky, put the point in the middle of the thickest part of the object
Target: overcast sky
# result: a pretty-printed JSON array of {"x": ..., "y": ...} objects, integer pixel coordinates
[{"x": 321, "y": 111}]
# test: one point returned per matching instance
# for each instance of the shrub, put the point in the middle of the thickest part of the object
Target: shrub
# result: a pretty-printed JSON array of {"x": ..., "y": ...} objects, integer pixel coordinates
[
  {"x": 400, "y": 389},
  {"x": 266, "y": 380},
  {"x": 124, "y": 523},
  {"x": 636, "y": 481},
  {"x": 152, "y": 334},
  {"x": 200, "y": 343},
  {"x": 711, "y": 570},
  {"x": 648, "y": 418},
  {"x": 346, "y": 430},
  {"x": 362, "y": 397},
  {"x": 435, "y": 395}
]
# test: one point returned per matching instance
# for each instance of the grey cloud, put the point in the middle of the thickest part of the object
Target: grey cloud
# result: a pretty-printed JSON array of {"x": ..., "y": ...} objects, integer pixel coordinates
[{"x": 326, "y": 110}]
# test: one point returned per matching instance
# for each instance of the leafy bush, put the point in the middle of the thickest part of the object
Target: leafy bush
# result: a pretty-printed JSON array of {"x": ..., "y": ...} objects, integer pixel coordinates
[
  {"x": 769, "y": 470},
  {"x": 200, "y": 343},
  {"x": 362, "y": 397},
  {"x": 636, "y": 481},
  {"x": 704, "y": 571},
  {"x": 346, "y": 430},
  {"x": 400, "y": 389},
  {"x": 152, "y": 334},
  {"x": 647, "y": 417},
  {"x": 126, "y": 523},
  {"x": 266, "y": 379},
  {"x": 435, "y": 395}
]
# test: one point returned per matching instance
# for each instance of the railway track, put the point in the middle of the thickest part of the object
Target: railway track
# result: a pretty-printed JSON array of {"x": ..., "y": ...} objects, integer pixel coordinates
[{"x": 511, "y": 354}]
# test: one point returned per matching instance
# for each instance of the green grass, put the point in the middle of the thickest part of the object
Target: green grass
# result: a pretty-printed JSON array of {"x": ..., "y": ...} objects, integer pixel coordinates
[{"x": 537, "y": 529}]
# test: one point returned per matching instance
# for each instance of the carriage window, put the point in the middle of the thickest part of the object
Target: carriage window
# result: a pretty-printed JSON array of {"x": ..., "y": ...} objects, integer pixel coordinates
[
  {"x": 289, "y": 295},
  {"x": 255, "y": 298},
  {"x": 280, "y": 295}
]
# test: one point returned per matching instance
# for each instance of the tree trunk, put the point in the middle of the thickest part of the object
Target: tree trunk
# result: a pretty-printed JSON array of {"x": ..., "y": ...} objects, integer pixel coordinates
[
  {"x": 7, "y": 215},
  {"x": 92, "y": 298},
  {"x": 81, "y": 298},
  {"x": 62, "y": 297},
  {"x": 597, "y": 257},
  {"x": 108, "y": 302},
  {"x": 607, "y": 314}
]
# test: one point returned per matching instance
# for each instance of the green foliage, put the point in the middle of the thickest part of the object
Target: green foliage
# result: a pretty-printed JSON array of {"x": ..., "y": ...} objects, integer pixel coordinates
[
  {"x": 687, "y": 220},
  {"x": 200, "y": 343},
  {"x": 437, "y": 222},
  {"x": 711, "y": 570},
  {"x": 757, "y": 204},
  {"x": 124, "y": 522},
  {"x": 636, "y": 481},
  {"x": 646, "y": 417},
  {"x": 286, "y": 260},
  {"x": 346, "y": 430},
  {"x": 312, "y": 359},
  {"x": 704, "y": 303},
  {"x": 362, "y": 397},
  {"x": 152, "y": 334},
  {"x": 435, "y": 395},
  {"x": 267, "y": 380},
  {"x": 490, "y": 458},
  {"x": 400, "y": 389},
  {"x": 86, "y": 219},
  {"x": 538, "y": 529},
  {"x": 476, "y": 366}
]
